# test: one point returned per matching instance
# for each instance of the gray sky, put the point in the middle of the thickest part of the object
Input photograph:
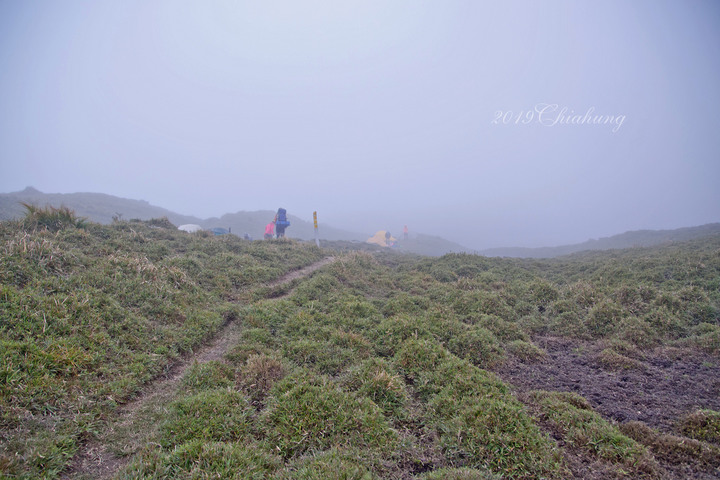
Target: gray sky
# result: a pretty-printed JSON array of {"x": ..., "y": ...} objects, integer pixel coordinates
[{"x": 513, "y": 123}]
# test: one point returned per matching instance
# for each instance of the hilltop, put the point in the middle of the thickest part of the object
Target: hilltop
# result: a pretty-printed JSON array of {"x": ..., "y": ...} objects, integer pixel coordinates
[
  {"x": 97, "y": 207},
  {"x": 104, "y": 209}
]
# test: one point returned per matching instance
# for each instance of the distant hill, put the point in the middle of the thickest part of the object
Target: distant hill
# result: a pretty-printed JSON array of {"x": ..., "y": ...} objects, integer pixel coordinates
[
  {"x": 102, "y": 208},
  {"x": 637, "y": 238},
  {"x": 98, "y": 207}
]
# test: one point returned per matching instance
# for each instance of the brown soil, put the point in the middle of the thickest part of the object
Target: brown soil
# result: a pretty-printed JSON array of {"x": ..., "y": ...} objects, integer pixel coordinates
[
  {"x": 656, "y": 387},
  {"x": 102, "y": 458}
]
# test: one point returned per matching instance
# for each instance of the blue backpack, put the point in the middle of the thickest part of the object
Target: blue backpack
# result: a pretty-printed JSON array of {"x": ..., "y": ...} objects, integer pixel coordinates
[{"x": 282, "y": 220}]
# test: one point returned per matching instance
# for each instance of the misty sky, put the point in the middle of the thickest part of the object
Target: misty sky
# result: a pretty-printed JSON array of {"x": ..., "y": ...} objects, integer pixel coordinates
[{"x": 513, "y": 123}]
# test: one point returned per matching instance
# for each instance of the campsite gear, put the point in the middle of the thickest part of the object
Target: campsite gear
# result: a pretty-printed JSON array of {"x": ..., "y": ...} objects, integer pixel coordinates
[
  {"x": 382, "y": 238},
  {"x": 282, "y": 218},
  {"x": 190, "y": 228}
]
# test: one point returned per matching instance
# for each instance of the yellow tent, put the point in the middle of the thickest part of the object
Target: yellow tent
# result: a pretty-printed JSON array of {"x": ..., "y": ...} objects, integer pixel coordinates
[{"x": 380, "y": 239}]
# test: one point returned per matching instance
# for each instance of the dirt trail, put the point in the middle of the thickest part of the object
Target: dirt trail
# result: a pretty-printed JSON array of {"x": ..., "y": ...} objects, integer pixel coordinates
[{"x": 100, "y": 459}]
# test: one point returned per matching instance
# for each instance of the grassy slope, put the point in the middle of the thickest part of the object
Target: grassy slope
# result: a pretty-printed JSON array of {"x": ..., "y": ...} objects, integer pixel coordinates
[
  {"x": 98, "y": 207},
  {"x": 376, "y": 367},
  {"x": 102, "y": 208},
  {"x": 87, "y": 315}
]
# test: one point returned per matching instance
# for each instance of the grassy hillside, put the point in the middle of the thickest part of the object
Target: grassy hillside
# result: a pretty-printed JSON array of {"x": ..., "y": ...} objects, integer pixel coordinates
[
  {"x": 97, "y": 207},
  {"x": 105, "y": 209},
  {"x": 377, "y": 366}
]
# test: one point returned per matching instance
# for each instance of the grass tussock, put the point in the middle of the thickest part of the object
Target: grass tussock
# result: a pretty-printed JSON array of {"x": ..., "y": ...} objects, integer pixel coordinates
[
  {"x": 213, "y": 415},
  {"x": 581, "y": 427},
  {"x": 305, "y": 416},
  {"x": 526, "y": 352},
  {"x": 673, "y": 449},
  {"x": 612, "y": 360},
  {"x": 51, "y": 218},
  {"x": 701, "y": 425}
]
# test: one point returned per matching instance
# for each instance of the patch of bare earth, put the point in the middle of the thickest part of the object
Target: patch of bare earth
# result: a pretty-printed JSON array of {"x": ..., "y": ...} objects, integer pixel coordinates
[
  {"x": 135, "y": 421},
  {"x": 657, "y": 388}
]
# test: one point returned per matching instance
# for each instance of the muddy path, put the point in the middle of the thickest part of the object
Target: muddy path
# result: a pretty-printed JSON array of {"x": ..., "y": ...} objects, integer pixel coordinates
[
  {"x": 661, "y": 387},
  {"x": 102, "y": 457},
  {"x": 658, "y": 388}
]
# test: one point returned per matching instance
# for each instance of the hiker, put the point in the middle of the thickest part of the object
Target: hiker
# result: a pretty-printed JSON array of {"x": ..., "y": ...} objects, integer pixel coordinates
[
  {"x": 387, "y": 238},
  {"x": 281, "y": 222},
  {"x": 405, "y": 232},
  {"x": 269, "y": 228}
]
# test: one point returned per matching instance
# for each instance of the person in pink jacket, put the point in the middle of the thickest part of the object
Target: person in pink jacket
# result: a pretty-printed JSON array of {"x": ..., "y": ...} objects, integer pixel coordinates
[{"x": 269, "y": 230}]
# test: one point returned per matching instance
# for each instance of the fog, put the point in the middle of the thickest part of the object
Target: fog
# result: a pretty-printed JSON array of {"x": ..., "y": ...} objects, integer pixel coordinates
[{"x": 514, "y": 123}]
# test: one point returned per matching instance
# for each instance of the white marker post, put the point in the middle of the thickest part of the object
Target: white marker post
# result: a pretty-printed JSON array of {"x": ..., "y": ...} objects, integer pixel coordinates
[{"x": 317, "y": 240}]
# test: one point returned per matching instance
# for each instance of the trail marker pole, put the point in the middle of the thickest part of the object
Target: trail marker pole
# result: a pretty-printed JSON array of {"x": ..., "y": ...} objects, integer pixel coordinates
[{"x": 317, "y": 240}]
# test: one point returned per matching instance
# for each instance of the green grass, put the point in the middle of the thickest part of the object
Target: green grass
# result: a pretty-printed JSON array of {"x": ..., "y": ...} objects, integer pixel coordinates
[
  {"x": 701, "y": 425},
  {"x": 674, "y": 449},
  {"x": 581, "y": 427},
  {"x": 89, "y": 313},
  {"x": 377, "y": 366},
  {"x": 204, "y": 459},
  {"x": 305, "y": 415}
]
